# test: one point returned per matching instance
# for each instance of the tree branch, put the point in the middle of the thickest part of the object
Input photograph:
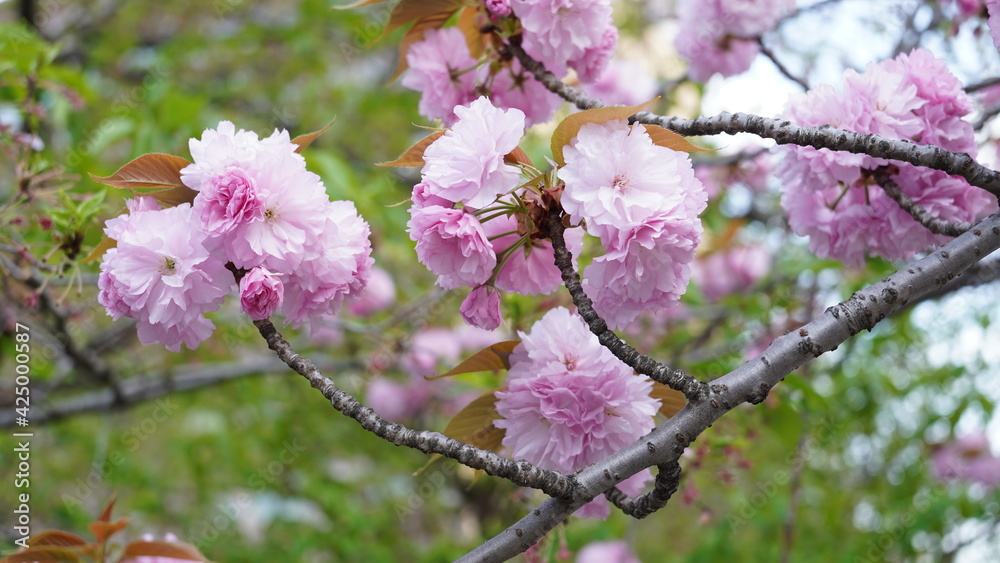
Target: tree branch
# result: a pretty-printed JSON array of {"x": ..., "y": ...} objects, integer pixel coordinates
[
  {"x": 676, "y": 379},
  {"x": 785, "y": 133},
  {"x": 933, "y": 224},
  {"x": 667, "y": 480},
  {"x": 519, "y": 472},
  {"x": 751, "y": 383}
]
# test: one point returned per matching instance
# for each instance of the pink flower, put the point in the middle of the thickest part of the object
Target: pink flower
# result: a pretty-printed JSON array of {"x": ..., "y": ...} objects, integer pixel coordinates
[
  {"x": 499, "y": 8},
  {"x": 227, "y": 200},
  {"x": 646, "y": 268},
  {"x": 453, "y": 245},
  {"x": 261, "y": 293},
  {"x": 481, "y": 308},
  {"x": 606, "y": 552},
  {"x": 161, "y": 274},
  {"x": 380, "y": 294},
  {"x": 716, "y": 36},
  {"x": 466, "y": 165},
  {"x": 423, "y": 196},
  {"x": 828, "y": 197},
  {"x": 559, "y": 31},
  {"x": 730, "y": 270},
  {"x": 514, "y": 87},
  {"x": 530, "y": 269},
  {"x": 442, "y": 70},
  {"x": 616, "y": 178},
  {"x": 397, "y": 401},
  {"x": 968, "y": 458},
  {"x": 569, "y": 402},
  {"x": 993, "y": 9},
  {"x": 624, "y": 83},
  {"x": 591, "y": 64},
  {"x": 429, "y": 350},
  {"x": 336, "y": 265}
]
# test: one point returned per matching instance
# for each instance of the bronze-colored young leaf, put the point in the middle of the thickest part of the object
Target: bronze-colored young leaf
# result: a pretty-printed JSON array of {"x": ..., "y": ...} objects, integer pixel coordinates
[
  {"x": 57, "y": 538},
  {"x": 491, "y": 358},
  {"x": 149, "y": 171},
  {"x": 173, "y": 550},
  {"x": 407, "y": 11},
  {"x": 103, "y": 530},
  {"x": 415, "y": 35},
  {"x": 569, "y": 127},
  {"x": 474, "y": 423},
  {"x": 414, "y": 156},
  {"x": 357, "y": 4},
  {"x": 304, "y": 141},
  {"x": 517, "y": 156},
  {"x": 470, "y": 24},
  {"x": 669, "y": 139},
  {"x": 44, "y": 554},
  {"x": 671, "y": 402}
]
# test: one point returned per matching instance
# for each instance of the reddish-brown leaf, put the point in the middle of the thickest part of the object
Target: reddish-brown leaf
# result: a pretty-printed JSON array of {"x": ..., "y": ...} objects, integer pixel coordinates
[
  {"x": 569, "y": 127},
  {"x": 474, "y": 423},
  {"x": 517, "y": 156},
  {"x": 56, "y": 538},
  {"x": 492, "y": 358},
  {"x": 43, "y": 554},
  {"x": 106, "y": 244},
  {"x": 304, "y": 141},
  {"x": 174, "y": 550},
  {"x": 407, "y": 11},
  {"x": 104, "y": 530},
  {"x": 357, "y": 4},
  {"x": 671, "y": 402},
  {"x": 149, "y": 171},
  {"x": 414, "y": 156},
  {"x": 669, "y": 139},
  {"x": 469, "y": 23},
  {"x": 415, "y": 35}
]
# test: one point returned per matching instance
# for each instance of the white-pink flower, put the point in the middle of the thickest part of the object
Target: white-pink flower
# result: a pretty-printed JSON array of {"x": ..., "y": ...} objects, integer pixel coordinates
[
  {"x": 514, "y": 87},
  {"x": 646, "y": 269},
  {"x": 380, "y": 294},
  {"x": 261, "y": 293},
  {"x": 569, "y": 402},
  {"x": 481, "y": 308},
  {"x": 606, "y": 552},
  {"x": 730, "y": 270},
  {"x": 228, "y": 199},
  {"x": 529, "y": 269},
  {"x": 161, "y": 274},
  {"x": 453, "y": 245},
  {"x": 467, "y": 165},
  {"x": 616, "y": 178},
  {"x": 559, "y": 31},
  {"x": 442, "y": 70}
]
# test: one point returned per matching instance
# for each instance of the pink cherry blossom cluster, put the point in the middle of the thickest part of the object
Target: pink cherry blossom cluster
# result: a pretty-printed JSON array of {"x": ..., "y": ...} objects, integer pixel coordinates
[
  {"x": 463, "y": 219},
  {"x": 257, "y": 210},
  {"x": 473, "y": 227},
  {"x": 643, "y": 201},
  {"x": 719, "y": 36},
  {"x": 830, "y": 199},
  {"x": 569, "y": 402},
  {"x": 562, "y": 34}
]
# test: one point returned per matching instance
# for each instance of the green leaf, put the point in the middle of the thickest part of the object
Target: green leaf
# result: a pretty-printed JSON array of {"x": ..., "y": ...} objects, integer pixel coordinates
[
  {"x": 304, "y": 141},
  {"x": 492, "y": 358},
  {"x": 414, "y": 156},
  {"x": 569, "y": 127}
]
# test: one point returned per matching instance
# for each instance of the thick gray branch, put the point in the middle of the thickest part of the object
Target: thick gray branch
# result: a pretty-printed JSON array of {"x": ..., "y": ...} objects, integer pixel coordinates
[
  {"x": 520, "y": 472},
  {"x": 917, "y": 211},
  {"x": 751, "y": 383}
]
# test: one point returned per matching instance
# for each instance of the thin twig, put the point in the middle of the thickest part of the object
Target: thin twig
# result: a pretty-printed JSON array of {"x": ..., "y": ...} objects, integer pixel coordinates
[
  {"x": 767, "y": 52},
  {"x": 676, "y": 379},
  {"x": 784, "y": 132},
  {"x": 917, "y": 211}
]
